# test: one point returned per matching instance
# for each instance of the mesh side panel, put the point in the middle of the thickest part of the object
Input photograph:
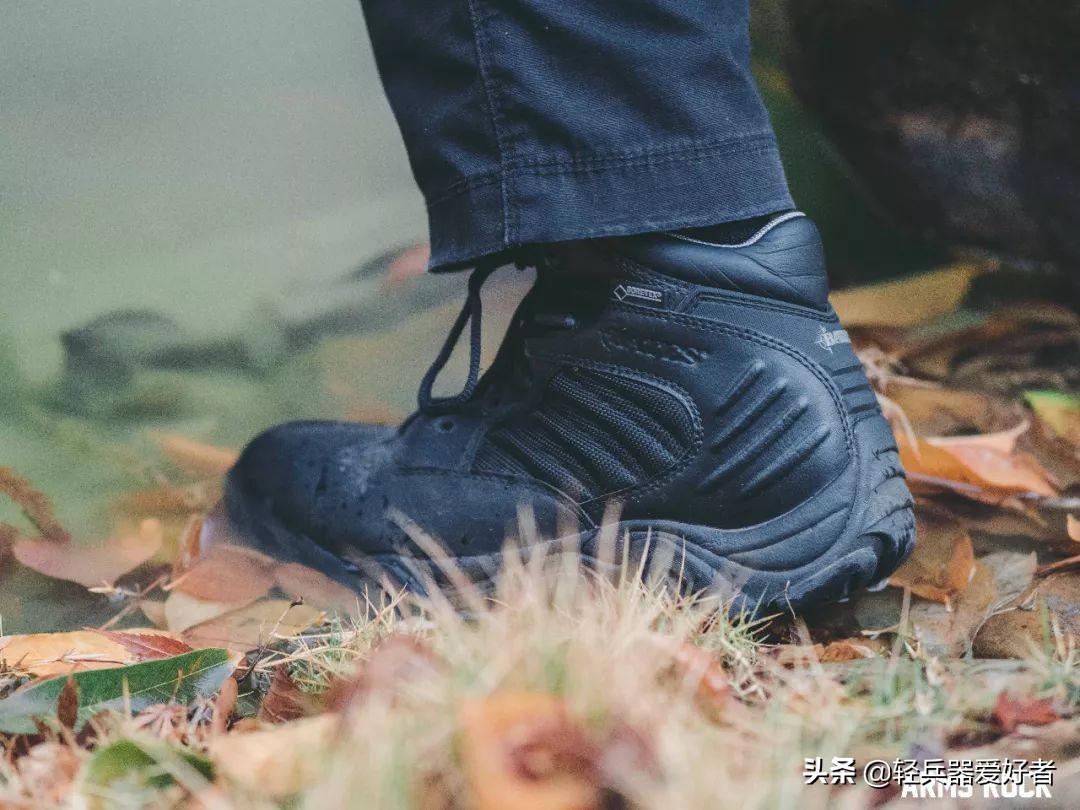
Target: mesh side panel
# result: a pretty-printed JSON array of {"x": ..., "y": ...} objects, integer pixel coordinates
[
  {"x": 546, "y": 460},
  {"x": 665, "y": 409},
  {"x": 493, "y": 459},
  {"x": 593, "y": 434},
  {"x": 612, "y": 468},
  {"x": 638, "y": 432}
]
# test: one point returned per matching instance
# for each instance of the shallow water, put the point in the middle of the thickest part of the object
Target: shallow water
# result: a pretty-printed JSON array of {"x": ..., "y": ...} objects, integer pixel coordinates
[{"x": 213, "y": 163}]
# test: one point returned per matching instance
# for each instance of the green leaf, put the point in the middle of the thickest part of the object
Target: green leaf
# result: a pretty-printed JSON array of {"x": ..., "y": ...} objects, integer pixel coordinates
[
  {"x": 142, "y": 764},
  {"x": 181, "y": 679}
]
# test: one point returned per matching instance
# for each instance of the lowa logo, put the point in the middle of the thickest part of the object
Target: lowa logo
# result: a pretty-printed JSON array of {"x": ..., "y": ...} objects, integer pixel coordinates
[
  {"x": 827, "y": 339},
  {"x": 624, "y": 291}
]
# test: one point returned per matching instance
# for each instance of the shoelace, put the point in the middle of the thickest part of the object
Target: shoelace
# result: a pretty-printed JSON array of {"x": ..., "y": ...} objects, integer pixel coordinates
[{"x": 472, "y": 313}]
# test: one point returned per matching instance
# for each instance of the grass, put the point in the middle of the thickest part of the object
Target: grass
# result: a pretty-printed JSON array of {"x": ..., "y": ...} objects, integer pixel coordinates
[{"x": 623, "y": 690}]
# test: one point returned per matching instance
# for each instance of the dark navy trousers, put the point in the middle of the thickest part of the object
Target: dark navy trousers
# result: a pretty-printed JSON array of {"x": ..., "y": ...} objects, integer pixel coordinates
[{"x": 532, "y": 121}]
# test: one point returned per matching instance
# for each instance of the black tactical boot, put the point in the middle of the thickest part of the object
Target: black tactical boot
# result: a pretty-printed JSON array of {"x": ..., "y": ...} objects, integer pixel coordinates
[{"x": 707, "y": 392}]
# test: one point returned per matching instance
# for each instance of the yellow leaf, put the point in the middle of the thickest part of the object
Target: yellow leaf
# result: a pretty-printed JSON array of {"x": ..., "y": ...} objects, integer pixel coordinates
[
  {"x": 46, "y": 655},
  {"x": 907, "y": 302}
]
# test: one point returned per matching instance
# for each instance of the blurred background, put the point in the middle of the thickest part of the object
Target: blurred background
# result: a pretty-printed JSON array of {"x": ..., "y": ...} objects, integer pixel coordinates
[{"x": 207, "y": 217}]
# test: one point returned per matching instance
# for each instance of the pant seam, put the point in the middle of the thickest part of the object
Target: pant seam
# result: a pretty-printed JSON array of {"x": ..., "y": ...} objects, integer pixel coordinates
[
  {"x": 755, "y": 145},
  {"x": 489, "y": 96}
]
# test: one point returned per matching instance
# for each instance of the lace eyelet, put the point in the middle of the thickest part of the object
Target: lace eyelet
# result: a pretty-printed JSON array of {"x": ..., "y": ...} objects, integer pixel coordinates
[{"x": 445, "y": 424}]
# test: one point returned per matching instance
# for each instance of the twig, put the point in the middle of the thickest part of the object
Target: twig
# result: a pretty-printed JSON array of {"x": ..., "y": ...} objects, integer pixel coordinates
[{"x": 1060, "y": 565}]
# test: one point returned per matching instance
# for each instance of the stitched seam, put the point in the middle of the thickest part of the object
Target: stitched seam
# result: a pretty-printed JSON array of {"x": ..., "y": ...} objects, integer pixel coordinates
[
  {"x": 512, "y": 166},
  {"x": 648, "y": 160},
  {"x": 704, "y": 325},
  {"x": 489, "y": 95},
  {"x": 761, "y": 141}
]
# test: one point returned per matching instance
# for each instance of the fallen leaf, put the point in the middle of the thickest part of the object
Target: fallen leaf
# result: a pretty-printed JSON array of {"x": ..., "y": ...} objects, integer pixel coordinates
[
  {"x": 181, "y": 679},
  {"x": 154, "y": 610},
  {"x": 1011, "y": 711},
  {"x": 45, "y": 655},
  {"x": 986, "y": 467},
  {"x": 145, "y": 645},
  {"x": 943, "y": 562},
  {"x": 925, "y": 297},
  {"x": 67, "y": 705},
  {"x": 250, "y": 627},
  {"x": 396, "y": 661},
  {"x": 284, "y": 700},
  {"x": 523, "y": 750},
  {"x": 316, "y": 589},
  {"x": 999, "y": 578},
  {"x": 92, "y": 566},
  {"x": 935, "y": 410},
  {"x": 1031, "y": 624},
  {"x": 35, "y": 505},
  {"x": 183, "y": 611},
  {"x": 168, "y": 499},
  {"x": 695, "y": 668},
  {"x": 194, "y": 457},
  {"x": 1072, "y": 527},
  {"x": 226, "y": 574},
  {"x": 1061, "y": 412},
  {"x": 849, "y": 650},
  {"x": 276, "y": 762}
]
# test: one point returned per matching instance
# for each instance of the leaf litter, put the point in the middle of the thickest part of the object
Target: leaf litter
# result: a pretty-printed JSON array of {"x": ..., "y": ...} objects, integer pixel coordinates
[{"x": 264, "y": 683}]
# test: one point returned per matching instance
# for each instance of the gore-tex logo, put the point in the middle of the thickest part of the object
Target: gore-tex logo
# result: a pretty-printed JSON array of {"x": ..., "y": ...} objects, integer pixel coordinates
[
  {"x": 827, "y": 339},
  {"x": 624, "y": 291}
]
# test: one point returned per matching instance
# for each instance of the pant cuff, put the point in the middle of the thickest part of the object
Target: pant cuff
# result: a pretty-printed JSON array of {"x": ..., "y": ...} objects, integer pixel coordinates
[{"x": 535, "y": 202}]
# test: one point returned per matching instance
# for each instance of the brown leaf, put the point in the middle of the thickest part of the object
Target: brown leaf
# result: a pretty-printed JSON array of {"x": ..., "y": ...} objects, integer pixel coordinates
[
  {"x": 316, "y": 589},
  {"x": 523, "y": 750},
  {"x": 231, "y": 574},
  {"x": 699, "y": 667},
  {"x": 154, "y": 610},
  {"x": 394, "y": 662},
  {"x": 183, "y": 611},
  {"x": 986, "y": 468},
  {"x": 1072, "y": 526},
  {"x": 279, "y": 761},
  {"x": 925, "y": 298},
  {"x": 998, "y": 578},
  {"x": 934, "y": 410},
  {"x": 46, "y": 655},
  {"x": 35, "y": 505},
  {"x": 284, "y": 700},
  {"x": 168, "y": 499},
  {"x": 1012, "y": 711},
  {"x": 67, "y": 704},
  {"x": 1023, "y": 629},
  {"x": 250, "y": 627},
  {"x": 147, "y": 645},
  {"x": 92, "y": 566},
  {"x": 849, "y": 650},
  {"x": 943, "y": 561},
  {"x": 194, "y": 457},
  {"x": 1060, "y": 412}
]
